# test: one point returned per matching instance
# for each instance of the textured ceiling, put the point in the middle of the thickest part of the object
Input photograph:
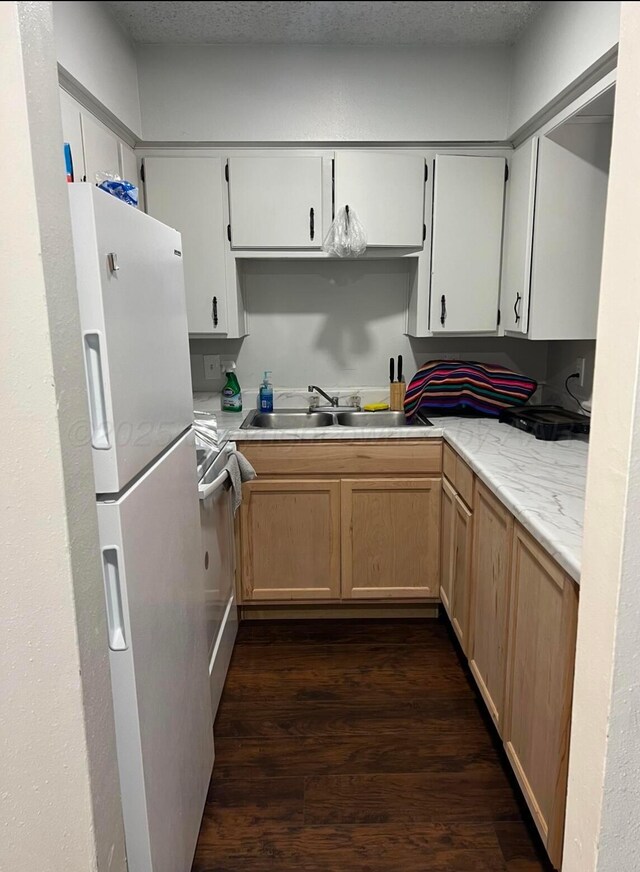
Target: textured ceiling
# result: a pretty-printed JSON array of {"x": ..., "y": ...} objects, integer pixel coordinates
[{"x": 333, "y": 23}]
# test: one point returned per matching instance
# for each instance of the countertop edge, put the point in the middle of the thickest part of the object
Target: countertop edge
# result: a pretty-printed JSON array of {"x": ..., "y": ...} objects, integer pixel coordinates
[{"x": 530, "y": 522}]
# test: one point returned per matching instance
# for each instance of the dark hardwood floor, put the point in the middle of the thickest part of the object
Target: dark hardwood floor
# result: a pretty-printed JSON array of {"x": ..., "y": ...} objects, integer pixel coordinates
[{"x": 358, "y": 746}]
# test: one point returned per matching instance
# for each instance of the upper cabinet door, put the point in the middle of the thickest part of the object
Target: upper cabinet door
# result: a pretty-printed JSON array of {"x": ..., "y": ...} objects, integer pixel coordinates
[
  {"x": 129, "y": 167},
  {"x": 386, "y": 192},
  {"x": 571, "y": 198},
  {"x": 516, "y": 278},
  {"x": 275, "y": 202},
  {"x": 101, "y": 148},
  {"x": 186, "y": 193},
  {"x": 466, "y": 243}
]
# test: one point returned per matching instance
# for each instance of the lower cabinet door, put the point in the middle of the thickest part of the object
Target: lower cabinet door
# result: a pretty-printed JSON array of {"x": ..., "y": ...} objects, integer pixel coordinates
[
  {"x": 492, "y": 535},
  {"x": 461, "y": 573},
  {"x": 390, "y": 538},
  {"x": 542, "y": 636},
  {"x": 290, "y": 533},
  {"x": 447, "y": 544}
]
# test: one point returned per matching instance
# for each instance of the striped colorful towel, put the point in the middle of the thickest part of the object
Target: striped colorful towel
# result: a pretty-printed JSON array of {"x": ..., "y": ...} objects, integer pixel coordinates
[{"x": 466, "y": 385}]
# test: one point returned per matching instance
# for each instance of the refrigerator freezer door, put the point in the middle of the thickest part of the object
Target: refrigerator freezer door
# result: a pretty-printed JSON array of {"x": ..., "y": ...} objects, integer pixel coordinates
[
  {"x": 134, "y": 326},
  {"x": 151, "y": 546}
]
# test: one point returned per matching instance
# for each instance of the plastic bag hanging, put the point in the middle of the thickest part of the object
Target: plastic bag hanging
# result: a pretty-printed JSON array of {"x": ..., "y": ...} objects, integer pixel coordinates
[{"x": 346, "y": 236}]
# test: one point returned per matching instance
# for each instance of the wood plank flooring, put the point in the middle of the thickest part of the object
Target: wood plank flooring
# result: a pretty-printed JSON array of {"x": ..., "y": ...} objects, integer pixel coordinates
[{"x": 358, "y": 746}]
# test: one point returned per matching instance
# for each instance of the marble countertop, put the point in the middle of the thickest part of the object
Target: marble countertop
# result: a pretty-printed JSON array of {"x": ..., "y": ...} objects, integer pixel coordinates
[{"x": 541, "y": 483}]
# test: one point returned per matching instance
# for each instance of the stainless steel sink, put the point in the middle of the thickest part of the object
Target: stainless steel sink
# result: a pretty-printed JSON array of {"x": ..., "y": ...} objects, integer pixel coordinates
[
  {"x": 287, "y": 419},
  {"x": 371, "y": 419}
]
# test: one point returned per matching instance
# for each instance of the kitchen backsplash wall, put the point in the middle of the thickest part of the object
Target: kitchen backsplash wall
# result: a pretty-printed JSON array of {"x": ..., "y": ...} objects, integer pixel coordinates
[
  {"x": 335, "y": 324},
  {"x": 561, "y": 362}
]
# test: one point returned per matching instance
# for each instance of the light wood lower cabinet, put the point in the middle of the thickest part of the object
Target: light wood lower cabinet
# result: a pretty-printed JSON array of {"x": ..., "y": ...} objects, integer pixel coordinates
[
  {"x": 331, "y": 521},
  {"x": 455, "y": 576},
  {"x": 515, "y": 613},
  {"x": 447, "y": 535},
  {"x": 542, "y": 635},
  {"x": 461, "y": 572},
  {"x": 390, "y": 538},
  {"x": 492, "y": 534},
  {"x": 290, "y": 540}
]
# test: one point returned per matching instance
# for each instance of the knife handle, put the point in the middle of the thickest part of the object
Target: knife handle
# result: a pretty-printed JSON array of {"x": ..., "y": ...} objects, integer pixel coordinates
[
  {"x": 400, "y": 376},
  {"x": 391, "y": 370}
]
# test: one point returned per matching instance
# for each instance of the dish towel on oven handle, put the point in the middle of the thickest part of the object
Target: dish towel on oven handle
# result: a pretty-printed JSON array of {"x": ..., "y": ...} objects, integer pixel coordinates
[{"x": 239, "y": 470}]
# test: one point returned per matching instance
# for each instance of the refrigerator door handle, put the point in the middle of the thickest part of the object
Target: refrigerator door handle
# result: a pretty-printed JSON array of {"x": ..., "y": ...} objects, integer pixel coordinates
[
  {"x": 95, "y": 385},
  {"x": 113, "y": 594}
]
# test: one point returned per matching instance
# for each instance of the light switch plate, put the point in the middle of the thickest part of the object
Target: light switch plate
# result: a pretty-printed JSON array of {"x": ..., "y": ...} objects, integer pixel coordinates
[{"x": 212, "y": 366}]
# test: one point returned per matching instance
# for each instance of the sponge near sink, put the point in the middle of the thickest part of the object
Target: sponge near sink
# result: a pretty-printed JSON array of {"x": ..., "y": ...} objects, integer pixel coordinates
[{"x": 376, "y": 407}]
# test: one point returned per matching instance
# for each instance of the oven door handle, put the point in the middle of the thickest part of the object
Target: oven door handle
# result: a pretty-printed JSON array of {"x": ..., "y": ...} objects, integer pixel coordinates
[{"x": 207, "y": 490}]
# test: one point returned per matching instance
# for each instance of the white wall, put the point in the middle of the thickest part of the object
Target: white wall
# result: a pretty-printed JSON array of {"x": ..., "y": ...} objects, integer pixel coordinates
[
  {"x": 238, "y": 93},
  {"x": 561, "y": 43},
  {"x": 561, "y": 362},
  {"x": 602, "y": 829},
  {"x": 335, "y": 324},
  {"x": 96, "y": 52},
  {"x": 60, "y": 793}
]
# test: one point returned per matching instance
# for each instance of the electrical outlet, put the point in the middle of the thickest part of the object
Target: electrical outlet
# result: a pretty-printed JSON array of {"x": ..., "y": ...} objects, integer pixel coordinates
[
  {"x": 212, "y": 367},
  {"x": 580, "y": 368}
]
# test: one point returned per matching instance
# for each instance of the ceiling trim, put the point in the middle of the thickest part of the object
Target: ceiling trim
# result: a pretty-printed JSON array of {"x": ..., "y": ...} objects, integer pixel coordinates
[
  {"x": 498, "y": 144},
  {"x": 592, "y": 76},
  {"x": 73, "y": 87}
]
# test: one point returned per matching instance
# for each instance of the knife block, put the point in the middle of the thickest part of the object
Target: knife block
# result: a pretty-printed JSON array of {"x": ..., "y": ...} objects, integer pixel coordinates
[{"x": 397, "y": 390}]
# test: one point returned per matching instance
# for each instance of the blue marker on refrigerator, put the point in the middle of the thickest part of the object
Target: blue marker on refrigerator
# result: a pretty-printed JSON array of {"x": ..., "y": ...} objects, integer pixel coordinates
[
  {"x": 266, "y": 393},
  {"x": 68, "y": 161}
]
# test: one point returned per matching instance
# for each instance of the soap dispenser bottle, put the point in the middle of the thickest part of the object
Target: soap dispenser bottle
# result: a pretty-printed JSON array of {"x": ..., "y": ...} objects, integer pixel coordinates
[
  {"x": 266, "y": 393},
  {"x": 231, "y": 393}
]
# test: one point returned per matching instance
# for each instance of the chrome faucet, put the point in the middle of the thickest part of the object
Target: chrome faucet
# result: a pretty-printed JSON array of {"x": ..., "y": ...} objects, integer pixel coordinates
[{"x": 333, "y": 401}]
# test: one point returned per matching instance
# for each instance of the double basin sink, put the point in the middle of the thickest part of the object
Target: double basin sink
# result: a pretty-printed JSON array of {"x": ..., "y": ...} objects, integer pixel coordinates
[{"x": 302, "y": 419}]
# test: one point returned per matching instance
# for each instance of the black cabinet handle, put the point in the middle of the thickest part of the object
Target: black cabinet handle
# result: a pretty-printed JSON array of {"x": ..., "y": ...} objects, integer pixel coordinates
[
  {"x": 214, "y": 311},
  {"x": 516, "y": 307},
  {"x": 312, "y": 223},
  {"x": 443, "y": 309}
]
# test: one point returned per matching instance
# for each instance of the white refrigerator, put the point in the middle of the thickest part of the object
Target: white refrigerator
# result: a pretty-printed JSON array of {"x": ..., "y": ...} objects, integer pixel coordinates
[{"x": 134, "y": 334}]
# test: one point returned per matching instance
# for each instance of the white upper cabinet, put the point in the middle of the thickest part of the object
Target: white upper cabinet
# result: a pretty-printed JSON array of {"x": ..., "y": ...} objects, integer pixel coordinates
[
  {"x": 187, "y": 193},
  {"x": 468, "y": 204},
  {"x": 129, "y": 167},
  {"x": 518, "y": 244},
  {"x": 101, "y": 148},
  {"x": 275, "y": 202},
  {"x": 571, "y": 198},
  {"x": 386, "y": 191},
  {"x": 554, "y": 232}
]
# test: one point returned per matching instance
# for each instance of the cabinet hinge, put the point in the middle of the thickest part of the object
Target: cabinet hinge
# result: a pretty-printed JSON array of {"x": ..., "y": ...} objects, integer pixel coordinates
[
  {"x": 424, "y": 232},
  {"x": 226, "y": 172},
  {"x": 506, "y": 172},
  {"x": 229, "y": 232},
  {"x": 426, "y": 171},
  {"x": 142, "y": 171}
]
